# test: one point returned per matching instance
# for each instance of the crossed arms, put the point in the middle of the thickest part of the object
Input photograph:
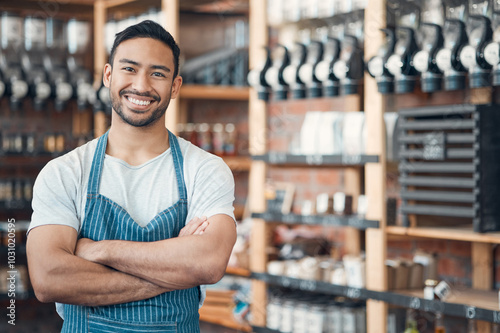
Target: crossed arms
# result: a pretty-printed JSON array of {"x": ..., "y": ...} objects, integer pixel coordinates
[{"x": 67, "y": 270}]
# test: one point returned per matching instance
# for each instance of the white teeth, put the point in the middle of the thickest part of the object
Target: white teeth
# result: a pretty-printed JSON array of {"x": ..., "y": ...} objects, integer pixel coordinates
[{"x": 138, "y": 102}]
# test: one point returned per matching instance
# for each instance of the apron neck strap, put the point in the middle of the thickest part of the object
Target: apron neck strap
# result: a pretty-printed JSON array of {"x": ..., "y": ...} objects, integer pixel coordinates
[
  {"x": 178, "y": 165},
  {"x": 98, "y": 162}
]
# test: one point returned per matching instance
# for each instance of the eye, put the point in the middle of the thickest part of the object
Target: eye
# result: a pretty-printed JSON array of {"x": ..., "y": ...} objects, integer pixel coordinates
[
  {"x": 158, "y": 74},
  {"x": 128, "y": 69}
]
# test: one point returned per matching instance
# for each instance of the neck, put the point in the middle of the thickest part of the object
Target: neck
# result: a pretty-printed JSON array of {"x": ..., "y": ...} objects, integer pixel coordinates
[{"x": 137, "y": 145}]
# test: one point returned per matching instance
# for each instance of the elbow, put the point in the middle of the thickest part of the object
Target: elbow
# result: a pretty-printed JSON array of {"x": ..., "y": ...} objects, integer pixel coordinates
[
  {"x": 42, "y": 296},
  {"x": 216, "y": 276},
  {"x": 44, "y": 285},
  {"x": 42, "y": 291},
  {"x": 214, "y": 272}
]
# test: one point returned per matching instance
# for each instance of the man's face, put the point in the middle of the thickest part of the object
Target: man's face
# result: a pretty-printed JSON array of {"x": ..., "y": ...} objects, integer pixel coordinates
[{"x": 141, "y": 81}]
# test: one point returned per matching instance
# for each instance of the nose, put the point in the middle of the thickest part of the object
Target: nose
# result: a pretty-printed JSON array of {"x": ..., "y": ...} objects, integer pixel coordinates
[{"x": 141, "y": 83}]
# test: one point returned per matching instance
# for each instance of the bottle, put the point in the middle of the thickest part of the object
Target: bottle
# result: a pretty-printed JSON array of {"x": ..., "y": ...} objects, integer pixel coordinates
[
  {"x": 218, "y": 139},
  {"x": 411, "y": 327},
  {"x": 439, "y": 323},
  {"x": 204, "y": 137},
  {"x": 429, "y": 289},
  {"x": 230, "y": 140},
  {"x": 471, "y": 326},
  {"x": 411, "y": 322},
  {"x": 190, "y": 133}
]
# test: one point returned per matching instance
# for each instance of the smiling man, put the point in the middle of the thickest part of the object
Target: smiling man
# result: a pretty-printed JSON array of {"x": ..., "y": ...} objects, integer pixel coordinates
[{"x": 109, "y": 240}]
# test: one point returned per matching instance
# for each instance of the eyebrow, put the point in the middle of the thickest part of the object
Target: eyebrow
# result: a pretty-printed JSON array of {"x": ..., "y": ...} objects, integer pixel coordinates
[{"x": 132, "y": 62}]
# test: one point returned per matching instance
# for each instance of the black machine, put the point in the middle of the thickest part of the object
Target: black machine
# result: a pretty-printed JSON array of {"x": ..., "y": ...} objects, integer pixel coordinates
[
  {"x": 274, "y": 74},
  {"x": 424, "y": 60},
  {"x": 350, "y": 68},
  {"x": 324, "y": 69},
  {"x": 298, "y": 54},
  {"x": 376, "y": 66}
]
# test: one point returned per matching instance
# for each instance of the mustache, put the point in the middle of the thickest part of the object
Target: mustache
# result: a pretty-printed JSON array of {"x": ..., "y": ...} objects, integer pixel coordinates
[{"x": 142, "y": 94}]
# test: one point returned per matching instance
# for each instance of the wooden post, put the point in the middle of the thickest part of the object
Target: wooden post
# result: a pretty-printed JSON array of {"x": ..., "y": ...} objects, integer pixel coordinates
[
  {"x": 99, "y": 48},
  {"x": 170, "y": 10},
  {"x": 482, "y": 253},
  {"x": 257, "y": 145},
  {"x": 375, "y": 173},
  {"x": 100, "y": 122}
]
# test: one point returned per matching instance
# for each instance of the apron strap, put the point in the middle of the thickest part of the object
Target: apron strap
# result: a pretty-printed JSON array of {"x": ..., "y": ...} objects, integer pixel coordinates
[
  {"x": 178, "y": 165},
  {"x": 97, "y": 162}
]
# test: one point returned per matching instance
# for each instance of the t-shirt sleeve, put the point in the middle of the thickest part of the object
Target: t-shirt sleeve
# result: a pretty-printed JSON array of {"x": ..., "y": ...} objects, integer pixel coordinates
[
  {"x": 213, "y": 191},
  {"x": 54, "y": 196}
]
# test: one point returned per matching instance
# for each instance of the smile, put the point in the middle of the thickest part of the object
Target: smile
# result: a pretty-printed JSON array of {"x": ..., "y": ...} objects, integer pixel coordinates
[{"x": 138, "y": 102}]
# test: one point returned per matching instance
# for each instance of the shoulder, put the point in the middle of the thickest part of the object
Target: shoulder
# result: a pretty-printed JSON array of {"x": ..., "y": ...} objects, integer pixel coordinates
[{"x": 71, "y": 165}]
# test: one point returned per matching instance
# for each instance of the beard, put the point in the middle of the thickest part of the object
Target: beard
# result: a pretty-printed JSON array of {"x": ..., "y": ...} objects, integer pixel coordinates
[{"x": 142, "y": 122}]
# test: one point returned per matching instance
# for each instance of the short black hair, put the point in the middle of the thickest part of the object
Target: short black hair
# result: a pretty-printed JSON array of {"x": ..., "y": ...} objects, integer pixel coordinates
[{"x": 147, "y": 29}]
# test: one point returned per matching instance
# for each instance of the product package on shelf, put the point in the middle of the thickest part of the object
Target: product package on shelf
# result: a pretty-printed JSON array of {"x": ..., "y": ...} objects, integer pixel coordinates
[
  {"x": 227, "y": 303},
  {"x": 16, "y": 193},
  {"x": 219, "y": 139},
  {"x": 449, "y": 168},
  {"x": 279, "y": 197},
  {"x": 350, "y": 271},
  {"x": 302, "y": 312}
]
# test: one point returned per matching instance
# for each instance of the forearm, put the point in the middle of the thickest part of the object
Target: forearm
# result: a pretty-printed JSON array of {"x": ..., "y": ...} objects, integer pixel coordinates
[
  {"x": 58, "y": 275},
  {"x": 80, "y": 282},
  {"x": 176, "y": 263}
]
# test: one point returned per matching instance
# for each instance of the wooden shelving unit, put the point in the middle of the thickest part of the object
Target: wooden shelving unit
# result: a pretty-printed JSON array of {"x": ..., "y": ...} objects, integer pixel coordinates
[
  {"x": 323, "y": 220},
  {"x": 238, "y": 163},
  {"x": 97, "y": 11},
  {"x": 229, "y": 93},
  {"x": 229, "y": 323},
  {"x": 464, "y": 233},
  {"x": 479, "y": 298},
  {"x": 262, "y": 158},
  {"x": 284, "y": 159},
  {"x": 238, "y": 271},
  {"x": 462, "y": 302}
]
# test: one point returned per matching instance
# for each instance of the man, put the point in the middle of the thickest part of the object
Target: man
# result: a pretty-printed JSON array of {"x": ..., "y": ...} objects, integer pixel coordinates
[{"x": 108, "y": 238}]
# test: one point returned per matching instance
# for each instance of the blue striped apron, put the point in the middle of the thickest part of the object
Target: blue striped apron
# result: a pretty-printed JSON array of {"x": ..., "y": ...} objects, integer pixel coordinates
[{"x": 175, "y": 311}]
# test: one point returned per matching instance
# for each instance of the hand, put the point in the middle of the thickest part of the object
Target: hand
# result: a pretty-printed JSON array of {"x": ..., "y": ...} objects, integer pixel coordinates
[
  {"x": 85, "y": 249},
  {"x": 196, "y": 226}
]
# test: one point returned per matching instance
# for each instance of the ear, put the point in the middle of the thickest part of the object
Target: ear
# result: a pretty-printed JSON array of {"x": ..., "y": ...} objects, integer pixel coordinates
[
  {"x": 176, "y": 86},
  {"x": 106, "y": 78}
]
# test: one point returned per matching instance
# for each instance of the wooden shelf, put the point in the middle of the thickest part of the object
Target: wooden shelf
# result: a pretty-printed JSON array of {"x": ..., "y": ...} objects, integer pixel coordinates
[
  {"x": 27, "y": 160},
  {"x": 79, "y": 8},
  {"x": 258, "y": 329},
  {"x": 218, "y": 309},
  {"x": 460, "y": 233},
  {"x": 226, "y": 322},
  {"x": 238, "y": 271},
  {"x": 324, "y": 220},
  {"x": 204, "y": 6},
  {"x": 228, "y": 93},
  {"x": 282, "y": 158},
  {"x": 238, "y": 163},
  {"x": 464, "y": 302},
  {"x": 472, "y": 298}
]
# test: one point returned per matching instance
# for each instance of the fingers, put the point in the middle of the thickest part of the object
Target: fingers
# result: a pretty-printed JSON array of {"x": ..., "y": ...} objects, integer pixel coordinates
[
  {"x": 194, "y": 227},
  {"x": 201, "y": 229}
]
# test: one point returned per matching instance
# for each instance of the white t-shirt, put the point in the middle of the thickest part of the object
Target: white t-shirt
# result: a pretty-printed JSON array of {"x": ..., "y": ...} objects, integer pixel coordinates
[{"x": 59, "y": 193}]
